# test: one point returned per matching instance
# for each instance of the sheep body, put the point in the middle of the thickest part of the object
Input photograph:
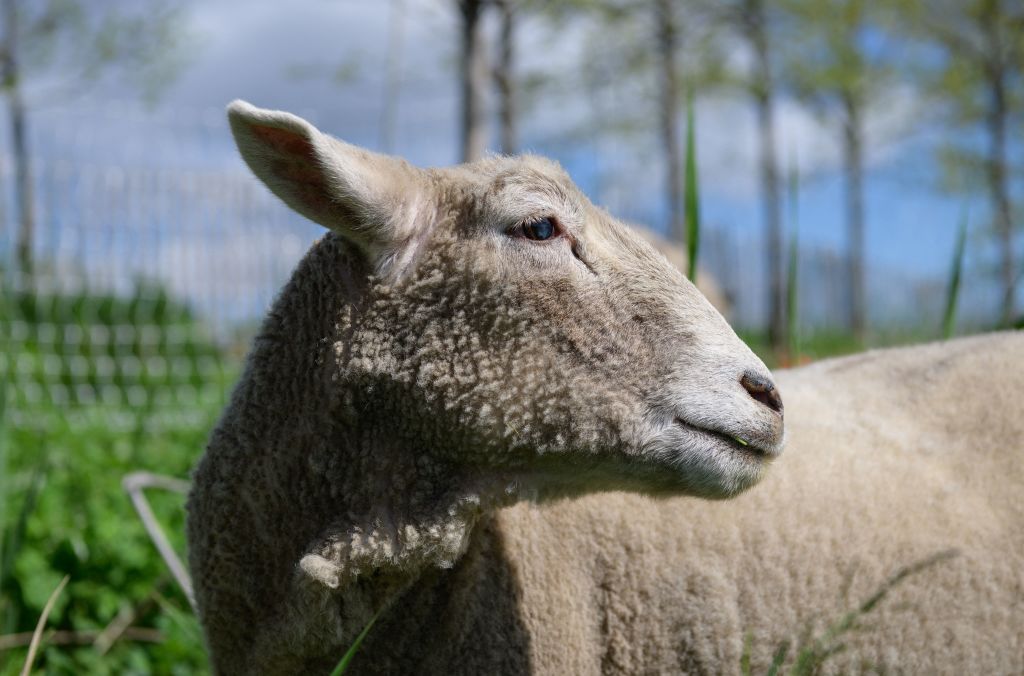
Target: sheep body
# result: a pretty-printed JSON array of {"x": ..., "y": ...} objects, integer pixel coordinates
[
  {"x": 438, "y": 403},
  {"x": 893, "y": 456}
]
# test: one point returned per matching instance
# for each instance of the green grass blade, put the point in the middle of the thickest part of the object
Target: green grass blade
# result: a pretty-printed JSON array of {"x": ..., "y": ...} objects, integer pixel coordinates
[
  {"x": 37, "y": 635},
  {"x": 792, "y": 289},
  {"x": 6, "y": 313},
  {"x": 813, "y": 652},
  {"x": 691, "y": 196},
  {"x": 779, "y": 658},
  {"x": 748, "y": 642},
  {"x": 354, "y": 648},
  {"x": 955, "y": 273}
]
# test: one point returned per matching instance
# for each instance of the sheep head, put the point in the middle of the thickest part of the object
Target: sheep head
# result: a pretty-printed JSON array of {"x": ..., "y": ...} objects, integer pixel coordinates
[{"x": 503, "y": 324}]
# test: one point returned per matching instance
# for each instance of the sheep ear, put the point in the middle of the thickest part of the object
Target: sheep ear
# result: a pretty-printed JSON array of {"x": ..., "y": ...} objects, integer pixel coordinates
[{"x": 370, "y": 199}]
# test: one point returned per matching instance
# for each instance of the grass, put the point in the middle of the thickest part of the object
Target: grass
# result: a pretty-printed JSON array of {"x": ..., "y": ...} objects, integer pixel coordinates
[
  {"x": 691, "y": 194},
  {"x": 79, "y": 523},
  {"x": 62, "y": 511},
  {"x": 37, "y": 634},
  {"x": 62, "y": 508},
  {"x": 814, "y": 345},
  {"x": 792, "y": 270},
  {"x": 346, "y": 659},
  {"x": 812, "y": 652},
  {"x": 955, "y": 273}
]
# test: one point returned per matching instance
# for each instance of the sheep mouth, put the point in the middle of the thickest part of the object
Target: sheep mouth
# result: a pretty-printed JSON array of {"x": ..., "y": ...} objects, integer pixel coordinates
[{"x": 734, "y": 443}]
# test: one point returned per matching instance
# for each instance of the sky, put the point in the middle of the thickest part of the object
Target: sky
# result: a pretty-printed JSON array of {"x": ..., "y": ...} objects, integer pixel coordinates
[{"x": 282, "y": 55}]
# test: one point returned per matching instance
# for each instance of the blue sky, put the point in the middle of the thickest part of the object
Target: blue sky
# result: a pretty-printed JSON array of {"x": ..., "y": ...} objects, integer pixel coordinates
[{"x": 252, "y": 49}]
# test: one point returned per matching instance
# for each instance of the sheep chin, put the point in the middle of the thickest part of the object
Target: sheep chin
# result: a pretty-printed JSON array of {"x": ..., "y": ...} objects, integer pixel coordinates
[{"x": 704, "y": 464}]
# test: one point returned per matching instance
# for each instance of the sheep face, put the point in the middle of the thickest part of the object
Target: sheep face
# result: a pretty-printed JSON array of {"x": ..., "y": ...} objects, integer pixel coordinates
[{"x": 502, "y": 324}]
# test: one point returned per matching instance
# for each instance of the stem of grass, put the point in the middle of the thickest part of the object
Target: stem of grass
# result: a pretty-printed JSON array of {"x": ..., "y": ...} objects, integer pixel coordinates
[
  {"x": 691, "y": 195},
  {"x": 955, "y": 272},
  {"x": 354, "y": 648},
  {"x": 37, "y": 635}
]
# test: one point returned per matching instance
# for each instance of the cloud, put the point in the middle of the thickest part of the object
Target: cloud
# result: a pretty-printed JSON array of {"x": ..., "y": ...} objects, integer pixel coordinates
[{"x": 249, "y": 48}]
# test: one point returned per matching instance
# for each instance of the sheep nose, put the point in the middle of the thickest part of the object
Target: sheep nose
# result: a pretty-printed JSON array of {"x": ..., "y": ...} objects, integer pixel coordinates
[{"x": 763, "y": 390}]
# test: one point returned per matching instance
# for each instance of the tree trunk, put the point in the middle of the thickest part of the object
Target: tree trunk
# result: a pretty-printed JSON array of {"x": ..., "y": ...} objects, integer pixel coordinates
[
  {"x": 1001, "y": 199},
  {"x": 764, "y": 91},
  {"x": 668, "y": 92},
  {"x": 19, "y": 144},
  {"x": 853, "y": 135},
  {"x": 23, "y": 183},
  {"x": 999, "y": 191},
  {"x": 504, "y": 77},
  {"x": 474, "y": 80}
]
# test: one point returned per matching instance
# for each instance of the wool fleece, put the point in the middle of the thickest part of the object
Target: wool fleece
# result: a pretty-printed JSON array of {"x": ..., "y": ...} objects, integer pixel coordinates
[{"x": 493, "y": 417}]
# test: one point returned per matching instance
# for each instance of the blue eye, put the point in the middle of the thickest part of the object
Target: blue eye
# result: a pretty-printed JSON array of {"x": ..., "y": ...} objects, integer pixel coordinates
[{"x": 540, "y": 230}]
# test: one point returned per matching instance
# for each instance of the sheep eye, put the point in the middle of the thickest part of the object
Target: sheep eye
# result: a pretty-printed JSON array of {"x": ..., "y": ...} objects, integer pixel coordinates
[{"x": 540, "y": 230}]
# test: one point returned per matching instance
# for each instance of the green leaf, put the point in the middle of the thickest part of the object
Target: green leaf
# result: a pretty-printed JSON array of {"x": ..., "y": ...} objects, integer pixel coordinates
[
  {"x": 691, "y": 197},
  {"x": 354, "y": 648},
  {"x": 13, "y": 539},
  {"x": 778, "y": 658},
  {"x": 792, "y": 276},
  {"x": 955, "y": 273},
  {"x": 748, "y": 641}
]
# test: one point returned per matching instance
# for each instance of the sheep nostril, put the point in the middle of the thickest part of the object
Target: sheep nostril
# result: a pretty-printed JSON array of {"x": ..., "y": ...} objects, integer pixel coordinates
[{"x": 763, "y": 390}]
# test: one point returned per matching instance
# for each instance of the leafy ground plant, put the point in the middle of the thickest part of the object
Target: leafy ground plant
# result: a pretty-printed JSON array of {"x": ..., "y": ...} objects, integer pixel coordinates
[{"x": 92, "y": 388}]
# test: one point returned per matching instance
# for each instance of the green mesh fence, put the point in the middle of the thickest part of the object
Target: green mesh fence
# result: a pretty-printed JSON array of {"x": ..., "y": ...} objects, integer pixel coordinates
[
  {"x": 143, "y": 290},
  {"x": 119, "y": 346}
]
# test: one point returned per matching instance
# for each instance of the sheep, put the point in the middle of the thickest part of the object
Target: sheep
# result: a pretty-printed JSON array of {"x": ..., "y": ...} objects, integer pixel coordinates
[
  {"x": 485, "y": 413},
  {"x": 677, "y": 256}
]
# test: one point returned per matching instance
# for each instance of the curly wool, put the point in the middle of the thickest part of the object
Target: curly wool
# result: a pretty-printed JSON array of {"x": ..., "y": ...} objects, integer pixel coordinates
[{"x": 434, "y": 411}]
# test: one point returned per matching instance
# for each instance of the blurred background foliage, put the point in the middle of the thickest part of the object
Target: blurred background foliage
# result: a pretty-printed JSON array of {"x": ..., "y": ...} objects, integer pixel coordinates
[{"x": 133, "y": 271}]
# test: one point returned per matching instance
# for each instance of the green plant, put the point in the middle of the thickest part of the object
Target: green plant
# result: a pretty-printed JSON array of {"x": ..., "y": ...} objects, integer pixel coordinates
[
  {"x": 37, "y": 634},
  {"x": 691, "y": 197},
  {"x": 812, "y": 652},
  {"x": 955, "y": 272},
  {"x": 346, "y": 659},
  {"x": 142, "y": 383},
  {"x": 792, "y": 271}
]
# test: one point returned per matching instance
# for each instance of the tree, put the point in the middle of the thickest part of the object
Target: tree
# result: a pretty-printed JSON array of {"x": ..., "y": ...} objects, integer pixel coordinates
[
  {"x": 667, "y": 49},
  {"x": 751, "y": 21},
  {"x": 11, "y": 79},
  {"x": 73, "y": 48},
  {"x": 505, "y": 76},
  {"x": 974, "y": 72},
  {"x": 473, "y": 73},
  {"x": 829, "y": 67},
  {"x": 661, "y": 55}
]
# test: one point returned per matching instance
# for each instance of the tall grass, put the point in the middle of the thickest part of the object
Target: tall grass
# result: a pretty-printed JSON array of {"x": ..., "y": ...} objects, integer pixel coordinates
[
  {"x": 793, "y": 266},
  {"x": 955, "y": 271},
  {"x": 13, "y": 534},
  {"x": 813, "y": 652},
  {"x": 37, "y": 635},
  {"x": 346, "y": 659},
  {"x": 691, "y": 195},
  {"x": 94, "y": 386}
]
